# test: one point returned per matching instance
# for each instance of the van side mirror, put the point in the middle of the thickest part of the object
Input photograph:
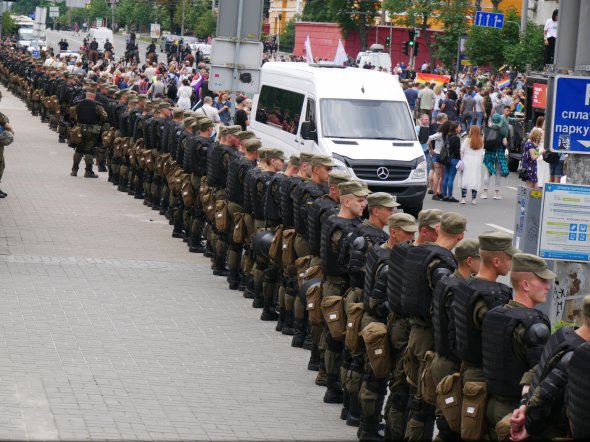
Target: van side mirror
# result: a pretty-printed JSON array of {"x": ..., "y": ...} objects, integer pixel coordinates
[{"x": 307, "y": 133}]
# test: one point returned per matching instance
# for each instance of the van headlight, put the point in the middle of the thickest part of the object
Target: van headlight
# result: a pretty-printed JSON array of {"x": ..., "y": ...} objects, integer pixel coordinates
[{"x": 419, "y": 173}]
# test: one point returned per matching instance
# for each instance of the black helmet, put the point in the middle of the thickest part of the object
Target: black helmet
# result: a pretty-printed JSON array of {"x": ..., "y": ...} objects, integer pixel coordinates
[{"x": 261, "y": 242}]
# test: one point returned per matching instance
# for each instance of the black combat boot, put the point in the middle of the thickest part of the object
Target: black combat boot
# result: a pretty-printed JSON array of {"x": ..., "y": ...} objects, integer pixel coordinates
[
  {"x": 196, "y": 245},
  {"x": 308, "y": 342},
  {"x": 300, "y": 332},
  {"x": 353, "y": 418},
  {"x": 74, "y": 172},
  {"x": 89, "y": 173},
  {"x": 269, "y": 314},
  {"x": 370, "y": 429},
  {"x": 258, "y": 301},
  {"x": 281, "y": 321},
  {"x": 249, "y": 292},
  {"x": 345, "y": 404},
  {"x": 288, "y": 329},
  {"x": 334, "y": 390},
  {"x": 208, "y": 253},
  {"x": 101, "y": 167},
  {"x": 314, "y": 359},
  {"x": 234, "y": 279}
]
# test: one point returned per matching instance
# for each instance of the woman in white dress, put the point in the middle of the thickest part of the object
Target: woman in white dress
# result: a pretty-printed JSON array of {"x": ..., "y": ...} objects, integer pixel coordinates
[
  {"x": 184, "y": 95},
  {"x": 472, "y": 160},
  {"x": 543, "y": 172}
]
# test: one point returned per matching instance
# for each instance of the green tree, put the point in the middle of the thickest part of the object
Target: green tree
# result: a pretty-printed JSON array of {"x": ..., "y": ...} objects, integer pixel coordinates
[
  {"x": 454, "y": 20},
  {"x": 354, "y": 15},
  {"x": 206, "y": 24},
  {"x": 287, "y": 39},
  {"x": 419, "y": 14},
  {"x": 486, "y": 46},
  {"x": 316, "y": 11},
  {"x": 7, "y": 23},
  {"x": 529, "y": 49}
]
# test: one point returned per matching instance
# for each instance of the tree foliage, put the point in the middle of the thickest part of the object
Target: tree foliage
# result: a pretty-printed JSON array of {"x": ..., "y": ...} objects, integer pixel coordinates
[
  {"x": 419, "y": 14},
  {"x": 453, "y": 18},
  {"x": 354, "y": 15},
  {"x": 529, "y": 49},
  {"x": 287, "y": 39},
  {"x": 317, "y": 11},
  {"x": 487, "y": 46},
  {"x": 7, "y": 23}
]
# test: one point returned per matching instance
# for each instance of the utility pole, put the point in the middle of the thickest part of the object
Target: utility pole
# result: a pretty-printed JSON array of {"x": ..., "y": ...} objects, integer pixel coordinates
[
  {"x": 182, "y": 21},
  {"x": 572, "y": 55},
  {"x": 113, "y": 2}
]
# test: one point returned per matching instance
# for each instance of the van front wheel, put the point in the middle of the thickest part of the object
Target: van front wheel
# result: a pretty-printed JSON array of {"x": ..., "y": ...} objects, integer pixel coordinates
[{"x": 413, "y": 210}]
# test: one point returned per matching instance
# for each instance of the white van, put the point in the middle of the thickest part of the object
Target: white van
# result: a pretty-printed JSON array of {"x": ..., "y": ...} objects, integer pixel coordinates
[
  {"x": 101, "y": 35},
  {"x": 358, "y": 116},
  {"x": 376, "y": 57}
]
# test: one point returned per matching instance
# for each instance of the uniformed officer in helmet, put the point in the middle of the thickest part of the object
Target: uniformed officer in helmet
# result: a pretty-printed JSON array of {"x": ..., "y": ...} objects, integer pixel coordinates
[
  {"x": 353, "y": 201},
  {"x": 402, "y": 229},
  {"x": 425, "y": 265},
  {"x": 445, "y": 362},
  {"x": 513, "y": 337},
  {"x": 396, "y": 409},
  {"x": 542, "y": 410},
  {"x": 367, "y": 234},
  {"x": 89, "y": 115}
]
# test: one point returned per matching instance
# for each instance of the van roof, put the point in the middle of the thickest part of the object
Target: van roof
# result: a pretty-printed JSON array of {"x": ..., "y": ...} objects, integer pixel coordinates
[{"x": 336, "y": 82}]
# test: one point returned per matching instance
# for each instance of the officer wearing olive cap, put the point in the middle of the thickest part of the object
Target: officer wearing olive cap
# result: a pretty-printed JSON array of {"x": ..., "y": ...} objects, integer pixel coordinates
[
  {"x": 425, "y": 265},
  {"x": 428, "y": 219},
  {"x": 157, "y": 125},
  {"x": 89, "y": 115},
  {"x": 319, "y": 211},
  {"x": 353, "y": 200},
  {"x": 496, "y": 251},
  {"x": 354, "y": 253},
  {"x": 402, "y": 228},
  {"x": 195, "y": 162},
  {"x": 542, "y": 411},
  {"x": 513, "y": 338},
  {"x": 445, "y": 362},
  {"x": 219, "y": 157}
]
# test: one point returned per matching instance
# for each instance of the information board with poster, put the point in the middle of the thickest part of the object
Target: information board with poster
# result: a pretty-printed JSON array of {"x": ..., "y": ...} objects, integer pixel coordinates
[
  {"x": 565, "y": 222},
  {"x": 155, "y": 30},
  {"x": 539, "y": 95}
]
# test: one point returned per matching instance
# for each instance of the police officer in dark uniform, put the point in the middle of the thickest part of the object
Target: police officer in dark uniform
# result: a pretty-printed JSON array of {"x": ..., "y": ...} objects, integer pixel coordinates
[
  {"x": 157, "y": 128},
  {"x": 513, "y": 338},
  {"x": 219, "y": 156},
  {"x": 425, "y": 265},
  {"x": 125, "y": 128},
  {"x": 369, "y": 233},
  {"x": 260, "y": 187},
  {"x": 445, "y": 362},
  {"x": 542, "y": 413},
  {"x": 195, "y": 161},
  {"x": 89, "y": 115},
  {"x": 236, "y": 183},
  {"x": 180, "y": 211},
  {"x": 353, "y": 201},
  {"x": 472, "y": 299},
  {"x": 402, "y": 228},
  {"x": 577, "y": 392}
]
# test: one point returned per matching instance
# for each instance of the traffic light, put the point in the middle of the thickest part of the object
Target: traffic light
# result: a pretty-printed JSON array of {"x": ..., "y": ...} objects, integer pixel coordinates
[
  {"x": 416, "y": 48},
  {"x": 412, "y": 36},
  {"x": 405, "y": 48},
  {"x": 387, "y": 41}
]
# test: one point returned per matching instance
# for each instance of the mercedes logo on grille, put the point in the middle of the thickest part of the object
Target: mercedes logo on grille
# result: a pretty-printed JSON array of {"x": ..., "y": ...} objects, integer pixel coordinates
[{"x": 383, "y": 173}]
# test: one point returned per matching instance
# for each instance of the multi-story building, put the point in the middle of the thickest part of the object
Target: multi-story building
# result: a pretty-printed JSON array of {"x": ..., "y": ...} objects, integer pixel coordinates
[{"x": 281, "y": 11}]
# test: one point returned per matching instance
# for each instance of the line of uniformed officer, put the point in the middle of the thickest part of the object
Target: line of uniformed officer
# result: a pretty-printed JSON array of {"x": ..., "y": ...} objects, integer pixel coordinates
[{"x": 379, "y": 298}]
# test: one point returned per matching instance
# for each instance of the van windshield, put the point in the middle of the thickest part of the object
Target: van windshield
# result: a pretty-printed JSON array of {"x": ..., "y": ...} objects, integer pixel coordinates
[{"x": 372, "y": 119}]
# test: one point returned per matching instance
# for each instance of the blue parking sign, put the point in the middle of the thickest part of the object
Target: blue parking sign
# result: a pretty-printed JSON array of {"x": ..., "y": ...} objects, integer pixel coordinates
[{"x": 570, "y": 127}]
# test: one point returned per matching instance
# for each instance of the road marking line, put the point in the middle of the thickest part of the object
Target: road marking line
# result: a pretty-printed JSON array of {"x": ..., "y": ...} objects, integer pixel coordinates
[
  {"x": 503, "y": 229},
  {"x": 510, "y": 187}
]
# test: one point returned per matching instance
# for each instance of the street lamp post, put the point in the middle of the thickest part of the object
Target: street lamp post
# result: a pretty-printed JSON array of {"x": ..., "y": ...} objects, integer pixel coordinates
[{"x": 279, "y": 33}]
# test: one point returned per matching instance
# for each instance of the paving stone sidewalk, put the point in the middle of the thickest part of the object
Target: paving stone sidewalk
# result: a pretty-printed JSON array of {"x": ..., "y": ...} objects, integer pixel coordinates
[{"x": 110, "y": 329}]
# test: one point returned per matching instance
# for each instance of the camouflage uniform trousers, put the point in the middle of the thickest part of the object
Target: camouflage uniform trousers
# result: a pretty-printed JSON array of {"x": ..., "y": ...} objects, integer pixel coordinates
[
  {"x": 86, "y": 149},
  {"x": 396, "y": 408},
  {"x": 234, "y": 254}
]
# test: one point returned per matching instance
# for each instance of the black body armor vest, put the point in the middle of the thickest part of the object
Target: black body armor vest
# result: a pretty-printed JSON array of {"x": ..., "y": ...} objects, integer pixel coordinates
[
  {"x": 236, "y": 177},
  {"x": 466, "y": 295},
  {"x": 287, "y": 203},
  {"x": 272, "y": 199},
  {"x": 305, "y": 193},
  {"x": 416, "y": 291},
  {"x": 87, "y": 113},
  {"x": 443, "y": 321},
  {"x": 329, "y": 257},
  {"x": 216, "y": 169},
  {"x": 375, "y": 287},
  {"x": 319, "y": 211},
  {"x": 395, "y": 277},
  {"x": 502, "y": 369}
]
